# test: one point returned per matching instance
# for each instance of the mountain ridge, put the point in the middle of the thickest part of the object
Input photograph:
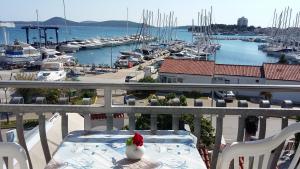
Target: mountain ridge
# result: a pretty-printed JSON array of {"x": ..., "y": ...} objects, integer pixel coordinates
[{"x": 58, "y": 21}]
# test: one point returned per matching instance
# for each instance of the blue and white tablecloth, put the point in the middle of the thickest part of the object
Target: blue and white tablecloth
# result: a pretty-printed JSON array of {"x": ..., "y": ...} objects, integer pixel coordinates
[{"x": 106, "y": 150}]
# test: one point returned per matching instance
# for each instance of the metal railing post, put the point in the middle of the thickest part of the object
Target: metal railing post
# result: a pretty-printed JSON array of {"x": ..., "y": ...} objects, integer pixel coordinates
[
  {"x": 263, "y": 119},
  {"x": 42, "y": 130},
  {"x": 64, "y": 118},
  {"x": 218, "y": 137},
  {"x": 153, "y": 117},
  {"x": 241, "y": 126},
  {"x": 108, "y": 104},
  {"x": 131, "y": 102},
  {"x": 87, "y": 116},
  {"x": 197, "y": 121}
]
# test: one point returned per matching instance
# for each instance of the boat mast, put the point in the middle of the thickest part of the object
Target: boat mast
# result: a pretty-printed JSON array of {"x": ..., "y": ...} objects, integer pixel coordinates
[
  {"x": 210, "y": 23},
  {"x": 163, "y": 28},
  {"x": 197, "y": 34},
  {"x": 201, "y": 26},
  {"x": 176, "y": 27},
  {"x": 65, "y": 17},
  {"x": 192, "y": 30},
  {"x": 274, "y": 22},
  {"x": 198, "y": 25},
  {"x": 158, "y": 25},
  {"x": 127, "y": 23},
  {"x": 169, "y": 31},
  {"x": 5, "y": 35},
  {"x": 38, "y": 27}
]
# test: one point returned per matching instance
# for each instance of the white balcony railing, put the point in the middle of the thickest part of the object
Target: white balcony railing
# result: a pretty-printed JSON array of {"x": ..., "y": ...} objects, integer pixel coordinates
[{"x": 242, "y": 110}]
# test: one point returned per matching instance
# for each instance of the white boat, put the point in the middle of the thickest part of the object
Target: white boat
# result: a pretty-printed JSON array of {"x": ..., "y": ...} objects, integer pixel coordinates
[
  {"x": 51, "y": 55},
  {"x": 126, "y": 61},
  {"x": 137, "y": 55},
  {"x": 278, "y": 51},
  {"x": 52, "y": 71},
  {"x": 87, "y": 44},
  {"x": 20, "y": 53},
  {"x": 2, "y": 51},
  {"x": 97, "y": 43},
  {"x": 293, "y": 56},
  {"x": 69, "y": 48}
]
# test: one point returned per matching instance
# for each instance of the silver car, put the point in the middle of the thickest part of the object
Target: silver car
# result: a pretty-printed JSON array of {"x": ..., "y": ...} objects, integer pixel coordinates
[{"x": 226, "y": 95}]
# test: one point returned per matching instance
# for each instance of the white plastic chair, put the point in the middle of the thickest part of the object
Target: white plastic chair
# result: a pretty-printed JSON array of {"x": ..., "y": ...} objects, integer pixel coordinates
[
  {"x": 256, "y": 149},
  {"x": 13, "y": 151}
]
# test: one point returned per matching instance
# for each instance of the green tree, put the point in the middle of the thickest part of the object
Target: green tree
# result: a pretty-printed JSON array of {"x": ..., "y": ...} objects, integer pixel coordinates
[
  {"x": 28, "y": 94},
  {"x": 148, "y": 79},
  {"x": 164, "y": 121}
]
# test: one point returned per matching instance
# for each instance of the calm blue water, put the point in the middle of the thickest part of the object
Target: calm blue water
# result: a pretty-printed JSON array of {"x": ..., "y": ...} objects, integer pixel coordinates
[
  {"x": 231, "y": 52},
  {"x": 243, "y": 53}
]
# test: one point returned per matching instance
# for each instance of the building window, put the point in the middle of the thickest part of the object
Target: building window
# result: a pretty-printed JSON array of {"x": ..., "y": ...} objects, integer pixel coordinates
[
  {"x": 227, "y": 81},
  {"x": 163, "y": 79},
  {"x": 179, "y": 80},
  {"x": 257, "y": 81}
]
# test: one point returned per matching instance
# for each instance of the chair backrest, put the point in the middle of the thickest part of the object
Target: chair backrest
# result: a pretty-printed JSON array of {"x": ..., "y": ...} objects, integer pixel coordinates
[
  {"x": 258, "y": 151},
  {"x": 13, "y": 151}
]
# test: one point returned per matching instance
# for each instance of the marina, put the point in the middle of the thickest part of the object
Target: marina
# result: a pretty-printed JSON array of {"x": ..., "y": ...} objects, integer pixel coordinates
[{"x": 203, "y": 85}]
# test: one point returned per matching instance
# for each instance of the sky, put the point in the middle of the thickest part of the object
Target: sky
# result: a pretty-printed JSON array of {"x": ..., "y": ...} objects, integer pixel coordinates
[{"x": 258, "y": 12}]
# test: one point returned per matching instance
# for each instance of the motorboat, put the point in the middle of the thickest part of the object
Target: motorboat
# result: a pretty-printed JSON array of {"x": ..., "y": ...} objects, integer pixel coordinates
[
  {"x": 262, "y": 46},
  {"x": 20, "y": 53},
  {"x": 137, "y": 55},
  {"x": 126, "y": 61},
  {"x": 185, "y": 55},
  {"x": 52, "y": 55},
  {"x": 293, "y": 56},
  {"x": 148, "y": 53},
  {"x": 52, "y": 71},
  {"x": 69, "y": 48},
  {"x": 2, "y": 51},
  {"x": 278, "y": 51}
]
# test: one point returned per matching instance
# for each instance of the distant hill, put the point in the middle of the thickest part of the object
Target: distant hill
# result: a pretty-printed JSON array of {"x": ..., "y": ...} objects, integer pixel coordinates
[{"x": 58, "y": 21}]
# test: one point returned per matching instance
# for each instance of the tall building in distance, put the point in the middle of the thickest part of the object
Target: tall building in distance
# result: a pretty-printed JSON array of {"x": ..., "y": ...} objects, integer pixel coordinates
[{"x": 242, "y": 21}]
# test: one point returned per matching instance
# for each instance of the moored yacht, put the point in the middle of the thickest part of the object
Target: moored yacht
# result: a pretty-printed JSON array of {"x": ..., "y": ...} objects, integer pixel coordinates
[
  {"x": 69, "y": 48},
  {"x": 20, "y": 53},
  {"x": 51, "y": 55},
  {"x": 52, "y": 71}
]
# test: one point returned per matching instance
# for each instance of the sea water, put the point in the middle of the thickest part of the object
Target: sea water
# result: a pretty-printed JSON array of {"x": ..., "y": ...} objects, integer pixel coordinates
[{"x": 231, "y": 52}]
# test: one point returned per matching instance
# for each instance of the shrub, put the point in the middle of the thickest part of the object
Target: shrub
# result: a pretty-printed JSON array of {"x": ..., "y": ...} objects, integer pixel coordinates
[
  {"x": 164, "y": 122},
  {"x": 170, "y": 96},
  {"x": 88, "y": 93},
  {"x": 51, "y": 95},
  {"x": 148, "y": 79}
]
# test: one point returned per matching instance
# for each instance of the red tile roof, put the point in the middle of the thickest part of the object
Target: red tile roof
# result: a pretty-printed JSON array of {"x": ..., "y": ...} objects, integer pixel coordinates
[
  {"x": 238, "y": 70},
  {"x": 271, "y": 71},
  {"x": 282, "y": 72},
  {"x": 190, "y": 67}
]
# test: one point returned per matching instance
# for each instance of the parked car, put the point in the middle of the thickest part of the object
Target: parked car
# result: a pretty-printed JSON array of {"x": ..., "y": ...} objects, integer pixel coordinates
[
  {"x": 226, "y": 95},
  {"x": 74, "y": 73},
  {"x": 127, "y": 78},
  {"x": 127, "y": 97}
]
